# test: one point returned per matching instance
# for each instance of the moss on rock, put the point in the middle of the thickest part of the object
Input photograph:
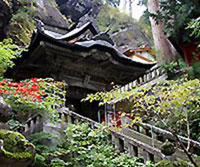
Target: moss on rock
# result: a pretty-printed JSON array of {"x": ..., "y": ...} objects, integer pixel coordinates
[
  {"x": 15, "y": 147},
  {"x": 165, "y": 163},
  {"x": 23, "y": 15}
]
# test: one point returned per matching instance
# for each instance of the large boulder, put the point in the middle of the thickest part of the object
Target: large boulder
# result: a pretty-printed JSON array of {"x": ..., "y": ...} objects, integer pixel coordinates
[
  {"x": 130, "y": 38},
  {"x": 5, "y": 111},
  {"x": 124, "y": 30},
  {"x": 15, "y": 150},
  {"x": 50, "y": 14},
  {"x": 80, "y": 12},
  {"x": 75, "y": 9}
]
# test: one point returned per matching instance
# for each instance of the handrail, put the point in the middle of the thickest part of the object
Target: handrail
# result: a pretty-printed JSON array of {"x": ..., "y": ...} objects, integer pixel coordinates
[
  {"x": 135, "y": 142},
  {"x": 169, "y": 134},
  {"x": 146, "y": 78},
  {"x": 150, "y": 77},
  {"x": 123, "y": 141},
  {"x": 131, "y": 142}
]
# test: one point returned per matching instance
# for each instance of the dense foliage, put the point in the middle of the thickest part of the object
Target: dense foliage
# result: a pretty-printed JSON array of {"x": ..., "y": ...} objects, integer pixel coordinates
[
  {"x": 195, "y": 26},
  {"x": 83, "y": 146},
  {"x": 33, "y": 95},
  {"x": 111, "y": 18},
  {"x": 8, "y": 52},
  {"x": 173, "y": 103},
  {"x": 175, "y": 15},
  {"x": 22, "y": 22}
]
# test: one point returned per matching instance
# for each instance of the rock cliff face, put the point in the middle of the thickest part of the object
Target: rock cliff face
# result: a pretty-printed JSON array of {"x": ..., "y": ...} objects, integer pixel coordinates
[
  {"x": 75, "y": 9},
  {"x": 17, "y": 19},
  {"x": 49, "y": 13},
  {"x": 5, "y": 16},
  {"x": 130, "y": 37},
  {"x": 125, "y": 32},
  {"x": 123, "y": 29},
  {"x": 80, "y": 11}
]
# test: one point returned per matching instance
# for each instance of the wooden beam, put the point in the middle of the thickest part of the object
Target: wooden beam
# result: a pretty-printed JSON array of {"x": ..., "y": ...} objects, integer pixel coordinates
[{"x": 79, "y": 82}]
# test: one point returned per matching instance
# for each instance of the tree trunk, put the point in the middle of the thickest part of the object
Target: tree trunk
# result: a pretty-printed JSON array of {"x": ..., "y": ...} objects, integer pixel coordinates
[
  {"x": 131, "y": 8},
  {"x": 124, "y": 7},
  {"x": 165, "y": 50}
]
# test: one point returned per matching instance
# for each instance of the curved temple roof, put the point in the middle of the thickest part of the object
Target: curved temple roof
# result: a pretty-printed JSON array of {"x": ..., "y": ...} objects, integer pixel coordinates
[
  {"x": 49, "y": 55},
  {"x": 90, "y": 43}
]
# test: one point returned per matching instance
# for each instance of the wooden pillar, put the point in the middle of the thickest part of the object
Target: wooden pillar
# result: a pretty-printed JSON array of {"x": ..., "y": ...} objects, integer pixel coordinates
[
  {"x": 145, "y": 78},
  {"x": 153, "y": 74},
  {"x": 135, "y": 151},
  {"x": 136, "y": 128},
  {"x": 130, "y": 85},
  {"x": 140, "y": 80},
  {"x": 135, "y": 83},
  {"x": 154, "y": 137},
  {"x": 142, "y": 130},
  {"x": 150, "y": 76},
  {"x": 147, "y": 132}
]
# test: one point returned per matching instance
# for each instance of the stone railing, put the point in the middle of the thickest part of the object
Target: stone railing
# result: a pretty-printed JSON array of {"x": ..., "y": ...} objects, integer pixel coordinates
[
  {"x": 33, "y": 124},
  {"x": 142, "y": 141},
  {"x": 151, "y": 77},
  {"x": 41, "y": 123},
  {"x": 155, "y": 137}
]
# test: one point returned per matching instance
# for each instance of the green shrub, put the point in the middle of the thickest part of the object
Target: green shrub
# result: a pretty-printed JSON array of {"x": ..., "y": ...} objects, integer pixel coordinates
[
  {"x": 86, "y": 147},
  {"x": 8, "y": 52}
]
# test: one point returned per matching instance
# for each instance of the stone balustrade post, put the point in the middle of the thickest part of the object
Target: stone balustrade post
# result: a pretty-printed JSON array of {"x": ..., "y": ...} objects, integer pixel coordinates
[
  {"x": 131, "y": 149},
  {"x": 153, "y": 74},
  {"x": 145, "y": 78},
  {"x": 32, "y": 126},
  {"x": 26, "y": 127},
  {"x": 148, "y": 77},
  {"x": 70, "y": 119},
  {"x": 119, "y": 144},
  {"x": 113, "y": 138}
]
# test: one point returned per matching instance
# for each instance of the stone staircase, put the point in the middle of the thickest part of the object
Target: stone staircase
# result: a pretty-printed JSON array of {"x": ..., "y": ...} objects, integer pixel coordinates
[{"x": 142, "y": 141}]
